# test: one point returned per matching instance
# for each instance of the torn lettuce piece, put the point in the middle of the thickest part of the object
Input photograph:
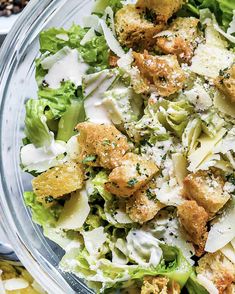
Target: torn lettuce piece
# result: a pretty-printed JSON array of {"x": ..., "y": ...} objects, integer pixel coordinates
[
  {"x": 194, "y": 287},
  {"x": 47, "y": 218},
  {"x": 191, "y": 134},
  {"x": 36, "y": 128},
  {"x": 174, "y": 116},
  {"x": 74, "y": 114},
  {"x": 211, "y": 123},
  {"x": 122, "y": 105},
  {"x": 94, "y": 52},
  {"x": 101, "y": 5},
  {"x": 103, "y": 274}
]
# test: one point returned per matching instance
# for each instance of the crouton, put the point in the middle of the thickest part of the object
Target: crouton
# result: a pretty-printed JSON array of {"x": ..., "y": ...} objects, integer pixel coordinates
[
  {"x": 194, "y": 220},
  {"x": 160, "y": 10},
  {"x": 218, "y": 269},
  {"x": 162, "y": 72},
  {"x": 143, "y": 205},
  {"x": 101, "y": 145},
  {"x": 206, "y": 187},
  {"x": 134, "y": 173},
  {"x": 113, "y": 60},
  {"x": 226, "y": 83},
  {"x": 58, "y": 181},
  {"x": 159, "y": 285},
  {"x": 230, "y": 289},
  {"x": 180, "y": 38},
  {"x": 133, "y": 30}
]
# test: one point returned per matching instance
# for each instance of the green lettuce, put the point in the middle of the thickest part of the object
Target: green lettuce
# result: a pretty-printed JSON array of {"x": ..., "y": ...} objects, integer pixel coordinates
[
  {"x": 47, "y": 218},
  {"x": 95, "y": 52},
  {"x": 193, "y": 287},
  {"x": 223, "y": 9},
  {"x": 42, "y": 115},
  {"x": 36, "y": 128},
  {"x": 174, "y": 116},
  {"x": 105, "y": 274},
  {"x": 100, "y": 5}
]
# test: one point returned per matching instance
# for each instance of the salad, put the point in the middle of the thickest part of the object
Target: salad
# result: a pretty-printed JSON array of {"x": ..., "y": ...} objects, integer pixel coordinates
[{"x": 131, "y": 145}]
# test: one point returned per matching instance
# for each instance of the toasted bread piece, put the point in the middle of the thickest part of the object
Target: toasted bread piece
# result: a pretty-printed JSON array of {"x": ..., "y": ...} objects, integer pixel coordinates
[
  {"x": 226, "y": 83},
  {"x": 58, "y": 181},
  {"x": 180, "y": 38},
  {"x": 159, "y": 285},
  {"x": 101, "y": 145},
  {"x": 194, "y": 220},
  {"x": 162, "y": 72},
  {"x": 162, "y": 10},
  {"x": 218, "y": 269},
  {"x": 133, "y": 173},
  {"x": 143, "y": 205},
  {"x": 206, "y": 188},
  {"x": 133, "y": 30}
]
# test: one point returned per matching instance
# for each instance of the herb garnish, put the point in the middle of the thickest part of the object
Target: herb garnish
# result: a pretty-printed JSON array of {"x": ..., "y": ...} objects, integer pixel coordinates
[
  {"x": 132, "y": 182},
  {"x": 90, "y": 158}
]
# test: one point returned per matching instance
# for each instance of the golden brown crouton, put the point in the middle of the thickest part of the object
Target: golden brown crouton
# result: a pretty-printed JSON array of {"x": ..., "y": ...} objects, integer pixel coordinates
[
  {"x": 143, "y": 205},
  {"x": 162, "y": 72},
  {"x": 58, "y": 181},
  {"x": 113, "y": 60},
  {"x": 162, "y": 10},
  {"x": 226, "y": 83},
  {"x": 194, "y": 219},
  {"x": 159, "y": 285},
  {"x": 230, "y": 289},
  {"x": 206, "y": 187},
  {"x": 218, "y": 269},
  {"x": 134, "y": 173},
  {"x": 180, "y": 38},
  {"x": 133, "y": 30},
  {"x": 101, "y": 145}
]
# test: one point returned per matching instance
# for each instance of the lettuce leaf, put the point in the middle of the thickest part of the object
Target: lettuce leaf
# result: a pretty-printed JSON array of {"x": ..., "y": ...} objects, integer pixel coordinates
[
  {"x": 95, "y": 52},
  {"x": 36, "y": 128},
  {"x": 223, "y": 9},
  {"x": 193, "y": 286}
]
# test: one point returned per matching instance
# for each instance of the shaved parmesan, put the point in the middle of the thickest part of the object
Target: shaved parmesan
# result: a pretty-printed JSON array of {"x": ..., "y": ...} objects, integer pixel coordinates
[
  {"x": 199, "y": 97},
  {"x": 111, "y": 40},
  {"x": 209, "y": 60},
  {"x": 207, "y": 284},
  {"x": 229, "y": 252},
  {"x": 75, "y": 212},
  {"x": 222, "y": 231},
  {"x": 92, "y": 21},
  {"x": 206, "y": 148},
  {"x": 224, "y": 104},
  {"x": 180, "y": 167},
  {"x": 15, "y": 284},
  {"x": 88, "y": 37}
]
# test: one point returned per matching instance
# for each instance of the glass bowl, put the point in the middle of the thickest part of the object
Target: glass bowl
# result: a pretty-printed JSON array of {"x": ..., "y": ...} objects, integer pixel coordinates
[{"x": 17, "y": 84}]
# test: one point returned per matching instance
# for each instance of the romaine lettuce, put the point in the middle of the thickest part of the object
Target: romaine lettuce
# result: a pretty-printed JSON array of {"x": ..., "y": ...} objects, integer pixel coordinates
[{"x": 193, "y": 286}]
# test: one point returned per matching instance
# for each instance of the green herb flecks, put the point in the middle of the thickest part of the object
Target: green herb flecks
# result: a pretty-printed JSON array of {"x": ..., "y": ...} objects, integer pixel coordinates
[
  {"x": 90, "y": 158},
  {"x": 132, "y": 182}
]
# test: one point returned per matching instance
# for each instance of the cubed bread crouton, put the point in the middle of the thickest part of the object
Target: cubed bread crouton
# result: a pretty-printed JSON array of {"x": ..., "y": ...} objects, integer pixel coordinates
[
  {"x": 143, "y": 205},
  {"x": 58, "y": 181},
  {"x": 101, "y": 145},
  {"x": 133, "y": 174},
  {"x": 218, "y": 269},
  {"x": 160, "y": 10},
  {"x": 134, "y": 30},
  {"x": 230, "y": 289},
  {"x": 207, "y": 188},
  {"x": 181, "y": 38},
  {"x": 161, "y": 72},
  {"x": 226, "y": 83},
  {"x": 194, "y": 220},
  {"x": 159, "y": 285}
]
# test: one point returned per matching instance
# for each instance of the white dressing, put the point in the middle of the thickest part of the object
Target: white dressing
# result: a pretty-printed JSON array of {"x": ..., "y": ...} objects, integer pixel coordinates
[
  {"x": 43, "y": 158},
  {"x": 94, "y": 240},
  {"x": 68, "y": 68}
]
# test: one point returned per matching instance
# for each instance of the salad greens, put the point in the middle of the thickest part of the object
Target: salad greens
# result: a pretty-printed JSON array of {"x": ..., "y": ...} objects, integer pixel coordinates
[{"x": 155, "y": 146}]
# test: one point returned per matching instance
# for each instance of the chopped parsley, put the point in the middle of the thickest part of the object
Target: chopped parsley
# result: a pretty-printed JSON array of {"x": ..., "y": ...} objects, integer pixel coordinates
[
  {"x": 132, "y": 182},
  {"x": 90, "y": 158},
  {"x": 138, "y": 168},
  {"x": 106, "y": 142},
  {"x": 150, "y": 195}
]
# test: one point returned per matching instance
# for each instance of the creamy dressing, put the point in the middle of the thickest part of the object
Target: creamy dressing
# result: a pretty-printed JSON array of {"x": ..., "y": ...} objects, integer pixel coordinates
[
  {"x": 69, "y": 68},
  {"x": 94, "y": 240},
  {"x": 15, "y": 284},
  {"x": 96, "y": 111},
  {"x": 43, "y": 158}
]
